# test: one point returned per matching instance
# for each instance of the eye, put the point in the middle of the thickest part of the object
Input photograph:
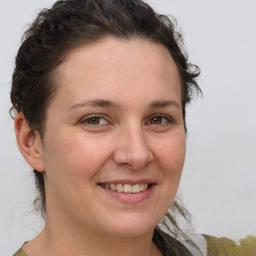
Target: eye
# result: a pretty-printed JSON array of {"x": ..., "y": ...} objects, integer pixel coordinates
[
  {"x": 160, "y": 120},
  {"x": 94, "y": 120}
]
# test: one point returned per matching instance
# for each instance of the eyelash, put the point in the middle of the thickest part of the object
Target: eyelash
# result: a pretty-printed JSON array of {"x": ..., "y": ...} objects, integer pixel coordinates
[{"x": 90, "y": 117}]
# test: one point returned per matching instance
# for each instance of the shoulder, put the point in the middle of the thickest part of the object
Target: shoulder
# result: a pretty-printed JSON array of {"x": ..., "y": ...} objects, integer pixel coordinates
[
  {"x": 206, "y": 245},
  {"x": 226, "y": 247},
  {"x": 214, "y": 246}
]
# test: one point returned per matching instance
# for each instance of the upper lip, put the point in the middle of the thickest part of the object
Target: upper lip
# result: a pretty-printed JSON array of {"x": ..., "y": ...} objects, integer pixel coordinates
[{"x": 129, "y": 181}]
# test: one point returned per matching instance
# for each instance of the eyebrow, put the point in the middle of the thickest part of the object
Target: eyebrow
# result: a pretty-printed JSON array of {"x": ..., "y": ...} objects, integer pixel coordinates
[
  {"x": 96, "y": 103},
  {"x": 108, "y": 103},
  {"x": 164, "y": 103}
]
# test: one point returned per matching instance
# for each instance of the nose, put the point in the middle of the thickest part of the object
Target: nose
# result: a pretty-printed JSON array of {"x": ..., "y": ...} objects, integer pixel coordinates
[{"x": 132, "y": 149}]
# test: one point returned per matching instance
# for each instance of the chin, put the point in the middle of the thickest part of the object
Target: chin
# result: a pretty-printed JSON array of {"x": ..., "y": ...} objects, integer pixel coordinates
[{"x": 131, "y": 226}]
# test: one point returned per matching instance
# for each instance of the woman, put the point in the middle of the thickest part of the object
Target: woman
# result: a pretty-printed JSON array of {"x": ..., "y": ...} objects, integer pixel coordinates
[{"x": 100, "y": 90}]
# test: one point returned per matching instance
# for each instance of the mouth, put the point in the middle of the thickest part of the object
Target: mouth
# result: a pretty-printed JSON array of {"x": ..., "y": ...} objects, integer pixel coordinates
[
  {"x": 127, "y": 188},
  {"x": 128, "y": 191}
]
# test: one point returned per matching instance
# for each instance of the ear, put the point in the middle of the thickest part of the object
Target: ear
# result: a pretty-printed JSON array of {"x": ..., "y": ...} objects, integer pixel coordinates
[{"x": 29, "y": 143}]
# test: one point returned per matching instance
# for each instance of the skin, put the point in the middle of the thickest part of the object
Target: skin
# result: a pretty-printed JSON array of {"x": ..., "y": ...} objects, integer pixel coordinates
[{"x": 128, "y": 140}]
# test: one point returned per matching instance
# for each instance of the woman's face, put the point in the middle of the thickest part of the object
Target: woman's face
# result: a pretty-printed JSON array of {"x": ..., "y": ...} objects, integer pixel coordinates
[{"x": 116, "y": 122}]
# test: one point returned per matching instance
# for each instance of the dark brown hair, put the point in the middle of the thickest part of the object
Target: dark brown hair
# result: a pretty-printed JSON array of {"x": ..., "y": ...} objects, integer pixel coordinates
[{"x": 72, "y": 23}]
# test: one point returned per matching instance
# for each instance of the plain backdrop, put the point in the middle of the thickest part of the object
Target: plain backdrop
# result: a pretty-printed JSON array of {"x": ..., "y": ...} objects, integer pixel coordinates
[{"x": 218, "y": 185}]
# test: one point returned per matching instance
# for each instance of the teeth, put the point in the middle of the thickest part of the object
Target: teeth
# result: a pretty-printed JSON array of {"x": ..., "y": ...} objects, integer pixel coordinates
[
  {"x": 126, "y": 188},
  {"x": 120, "y": 188},
  {"x": 113, "y": 187},
  {"x": 136, "y": 188}
]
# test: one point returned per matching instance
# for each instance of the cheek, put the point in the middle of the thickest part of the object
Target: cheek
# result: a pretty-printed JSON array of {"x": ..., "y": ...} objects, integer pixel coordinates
[
  {"x": 72, "y": 162},
  {"x": 75, "y": 156},
  {"x": 171, "y": 154}
]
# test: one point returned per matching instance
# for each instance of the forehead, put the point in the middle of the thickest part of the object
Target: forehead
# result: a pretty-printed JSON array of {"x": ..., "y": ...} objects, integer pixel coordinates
[{"x": 114, "y": 66}]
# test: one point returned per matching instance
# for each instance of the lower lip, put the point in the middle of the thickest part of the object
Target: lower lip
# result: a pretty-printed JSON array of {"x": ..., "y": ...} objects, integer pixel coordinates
[{"x": 130, "y": 197}]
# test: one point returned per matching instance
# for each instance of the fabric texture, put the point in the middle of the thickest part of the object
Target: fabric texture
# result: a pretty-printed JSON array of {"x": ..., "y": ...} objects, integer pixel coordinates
[
  {"x": 20, "y": 253},
  {"x": 226, "y": 247}
]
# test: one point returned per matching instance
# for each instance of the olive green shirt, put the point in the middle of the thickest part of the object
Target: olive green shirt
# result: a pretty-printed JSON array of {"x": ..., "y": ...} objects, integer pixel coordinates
[
  {"x": 227, "y": 247},
  {"x": 20, "y": 253},
  {"x": 217, "y": 247}
]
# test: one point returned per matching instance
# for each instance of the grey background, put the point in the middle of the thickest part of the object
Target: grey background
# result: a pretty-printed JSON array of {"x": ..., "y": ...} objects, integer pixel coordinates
[{"x": 219, "y": 180}]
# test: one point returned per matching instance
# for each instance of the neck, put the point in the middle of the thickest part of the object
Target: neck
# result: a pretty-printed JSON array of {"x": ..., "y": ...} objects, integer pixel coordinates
[{"x": 60, "y": 239}]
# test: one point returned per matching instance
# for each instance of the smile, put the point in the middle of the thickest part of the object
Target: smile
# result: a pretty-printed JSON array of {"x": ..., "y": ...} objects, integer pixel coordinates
[
  {"x": 128, "y": 191},
  {"x": 126, "y": 188}
]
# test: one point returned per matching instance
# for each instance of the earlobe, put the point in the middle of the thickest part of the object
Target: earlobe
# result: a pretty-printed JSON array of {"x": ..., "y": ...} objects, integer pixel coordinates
[{"x": 29, "y": 143}]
